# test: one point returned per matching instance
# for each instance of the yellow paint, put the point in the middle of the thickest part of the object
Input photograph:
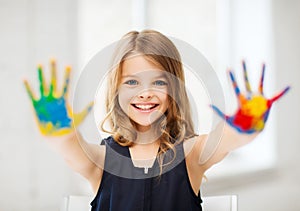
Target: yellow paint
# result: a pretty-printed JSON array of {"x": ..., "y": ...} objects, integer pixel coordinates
[
  {"x": 50, "y": 130},
  {"x": 259, "y": 125},
  {"x": 52, "y": 94},
  {"x": 255, "y": 107}
]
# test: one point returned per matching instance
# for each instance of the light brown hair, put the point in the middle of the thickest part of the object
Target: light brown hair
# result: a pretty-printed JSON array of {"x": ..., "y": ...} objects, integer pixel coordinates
[{"x": 176, "y": 124}]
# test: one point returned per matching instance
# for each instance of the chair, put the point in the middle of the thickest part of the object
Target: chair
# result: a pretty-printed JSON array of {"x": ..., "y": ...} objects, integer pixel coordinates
[
  {"x": 76, "y": 203},
  {"x": 210, "y": 203},
  {"x": 220, "y": 203}
]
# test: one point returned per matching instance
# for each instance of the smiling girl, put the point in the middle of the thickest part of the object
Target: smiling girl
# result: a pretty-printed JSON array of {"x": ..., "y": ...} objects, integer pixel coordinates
[{"x": 153, "y": 160}]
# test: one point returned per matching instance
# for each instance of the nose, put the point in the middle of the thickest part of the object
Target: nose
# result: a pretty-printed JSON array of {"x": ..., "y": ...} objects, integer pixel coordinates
[{"x": 145, "y": 95}]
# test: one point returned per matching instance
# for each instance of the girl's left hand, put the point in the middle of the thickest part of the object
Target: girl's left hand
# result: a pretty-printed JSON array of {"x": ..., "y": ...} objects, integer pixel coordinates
[{"x": 254, "y": 108}]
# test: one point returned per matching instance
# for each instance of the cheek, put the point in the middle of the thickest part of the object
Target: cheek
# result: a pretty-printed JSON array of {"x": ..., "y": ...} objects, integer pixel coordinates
[
  {"x": 164, "y": 98},
  {"x": 164, "y": 94},
  {"x": 124, "y": 98}
]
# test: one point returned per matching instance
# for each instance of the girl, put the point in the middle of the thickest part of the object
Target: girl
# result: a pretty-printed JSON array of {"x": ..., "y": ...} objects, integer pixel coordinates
[{"x": 153, "y": 160}]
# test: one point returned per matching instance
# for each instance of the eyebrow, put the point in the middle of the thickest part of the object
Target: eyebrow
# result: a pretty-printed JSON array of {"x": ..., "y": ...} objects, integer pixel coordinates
[
  {"x": 128, "y": 76},
  {"x": 161, "y": 75}
]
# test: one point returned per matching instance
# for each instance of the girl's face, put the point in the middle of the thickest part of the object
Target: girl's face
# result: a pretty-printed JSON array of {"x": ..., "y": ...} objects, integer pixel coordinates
[{"x": 143, "y": 92}]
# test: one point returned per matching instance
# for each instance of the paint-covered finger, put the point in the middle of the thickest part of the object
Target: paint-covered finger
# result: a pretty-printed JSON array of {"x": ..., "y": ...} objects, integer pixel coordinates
[
  {"x": 78, "y": 118},
  {"x": 219, "y": 112},
  {"x": 67, "y": 80},
  {"x": 29, "y": 90},
  {"x": 234, "y": 84},
  {"x": 279, "y": 95},
  {"x": 53, "y": 76},
  {"x": 247, "y": 84},
  {"x": 41, "y": 80},
  {"x": 261, "y": 84}
]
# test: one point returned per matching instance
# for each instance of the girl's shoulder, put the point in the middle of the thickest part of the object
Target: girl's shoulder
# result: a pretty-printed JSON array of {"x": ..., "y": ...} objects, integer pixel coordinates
[
  {"x": 194, "y": 146},
  {"x": 112, "y": 147},
  {"x": 108, "y": 140}
]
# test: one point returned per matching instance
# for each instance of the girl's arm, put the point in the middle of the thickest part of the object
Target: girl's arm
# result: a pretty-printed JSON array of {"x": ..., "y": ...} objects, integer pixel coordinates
[
  {"x": 213, "y": 148},
  {"x": 57, "y": 122},
  {"x": 84, "y": 158},
  {"x": 239, "y": 129}
]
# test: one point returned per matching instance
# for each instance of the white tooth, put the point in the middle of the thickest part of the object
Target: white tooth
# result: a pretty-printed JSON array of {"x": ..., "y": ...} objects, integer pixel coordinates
[{"x": 145, "y": 107}]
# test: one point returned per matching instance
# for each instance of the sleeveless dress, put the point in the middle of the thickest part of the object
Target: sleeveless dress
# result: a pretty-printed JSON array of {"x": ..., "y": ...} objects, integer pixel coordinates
[{"x": 125, "y": 187}]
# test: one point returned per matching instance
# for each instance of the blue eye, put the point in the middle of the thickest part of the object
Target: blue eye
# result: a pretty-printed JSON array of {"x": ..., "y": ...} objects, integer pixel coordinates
[
  {"x": 160, "y": 83},
  {"x": 131, "y": 82}
]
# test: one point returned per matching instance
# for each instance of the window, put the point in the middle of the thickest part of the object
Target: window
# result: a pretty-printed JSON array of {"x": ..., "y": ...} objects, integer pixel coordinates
[{"x": 243, "y": 35}]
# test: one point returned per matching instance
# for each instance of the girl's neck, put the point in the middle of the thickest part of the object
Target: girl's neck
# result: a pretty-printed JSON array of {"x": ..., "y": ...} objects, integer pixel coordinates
[
  {"x": 143, "y": 155},
  {"x": 144, "y": 151},
  {"x": 147, "y": 137}
]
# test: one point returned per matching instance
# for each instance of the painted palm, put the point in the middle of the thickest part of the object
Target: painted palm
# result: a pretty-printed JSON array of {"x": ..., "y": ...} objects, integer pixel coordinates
[
  {"x": 254, "y": 108},
  {"x": 53, "y": 113}
]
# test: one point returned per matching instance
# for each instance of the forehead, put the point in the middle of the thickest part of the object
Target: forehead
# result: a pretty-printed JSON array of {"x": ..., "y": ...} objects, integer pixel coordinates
[{"x": 139, "y": 65}]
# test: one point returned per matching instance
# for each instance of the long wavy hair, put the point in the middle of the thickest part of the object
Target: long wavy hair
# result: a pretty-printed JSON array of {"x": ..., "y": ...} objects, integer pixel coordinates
[{"x": 176, "y": 124}]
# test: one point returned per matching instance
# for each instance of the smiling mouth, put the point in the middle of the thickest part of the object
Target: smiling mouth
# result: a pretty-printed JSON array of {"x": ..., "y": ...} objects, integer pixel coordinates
[{"x": 145, "y": 107}]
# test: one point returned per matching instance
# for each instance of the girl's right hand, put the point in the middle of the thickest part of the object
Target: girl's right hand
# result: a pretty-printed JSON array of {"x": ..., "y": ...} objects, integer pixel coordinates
[{"x": 52, "y": 111}]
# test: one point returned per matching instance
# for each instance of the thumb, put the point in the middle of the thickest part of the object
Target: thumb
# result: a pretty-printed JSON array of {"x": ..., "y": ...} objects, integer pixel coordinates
[{"x": 79, "y": 117}]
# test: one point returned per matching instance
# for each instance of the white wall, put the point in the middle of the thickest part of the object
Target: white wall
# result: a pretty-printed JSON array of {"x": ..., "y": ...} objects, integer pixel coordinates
[
  {"x": 32, "y": 177},
  {"x": 277, "y": 189}
]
